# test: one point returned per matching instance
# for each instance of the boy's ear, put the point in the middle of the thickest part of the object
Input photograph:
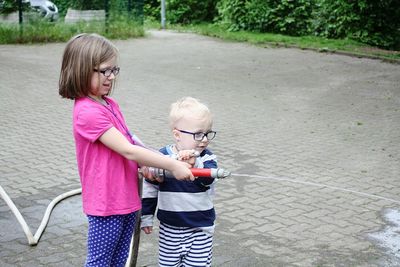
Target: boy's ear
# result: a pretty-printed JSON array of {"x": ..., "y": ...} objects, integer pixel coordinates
[{"x": 176, "y": 134}]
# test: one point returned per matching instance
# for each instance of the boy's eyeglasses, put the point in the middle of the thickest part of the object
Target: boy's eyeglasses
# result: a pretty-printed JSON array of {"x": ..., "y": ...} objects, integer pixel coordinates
[
  {"x": 200, "y": 136},
  {"x": 107, "y": 72}
]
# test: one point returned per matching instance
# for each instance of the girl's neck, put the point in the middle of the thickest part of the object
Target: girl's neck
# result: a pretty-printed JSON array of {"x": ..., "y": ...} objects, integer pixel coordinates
[{"x": 99, "y": 99}]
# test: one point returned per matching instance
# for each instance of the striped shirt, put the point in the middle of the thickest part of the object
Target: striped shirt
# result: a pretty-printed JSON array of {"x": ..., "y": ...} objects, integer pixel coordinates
[{"x": 181, "y": 203}]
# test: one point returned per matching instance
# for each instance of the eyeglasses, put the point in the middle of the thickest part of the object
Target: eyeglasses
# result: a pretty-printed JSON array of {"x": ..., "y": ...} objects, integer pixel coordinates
[
  {"x": 199, "y": 136},
  {"x": 107, "y": 72}
]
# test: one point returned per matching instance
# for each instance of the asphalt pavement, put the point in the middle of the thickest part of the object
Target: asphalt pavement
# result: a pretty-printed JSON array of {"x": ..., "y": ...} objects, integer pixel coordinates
[{"x": 311, "y": 139}]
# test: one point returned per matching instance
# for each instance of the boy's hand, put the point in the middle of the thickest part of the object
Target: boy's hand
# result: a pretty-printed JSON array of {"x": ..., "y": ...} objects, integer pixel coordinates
[
  {"x": 188, "y": 156},
  {"x": 147, "y": 229}
]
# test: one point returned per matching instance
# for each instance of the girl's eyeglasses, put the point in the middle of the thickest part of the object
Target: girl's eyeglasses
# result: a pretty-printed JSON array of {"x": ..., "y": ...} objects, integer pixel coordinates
[{"x": 107, "y": 72}]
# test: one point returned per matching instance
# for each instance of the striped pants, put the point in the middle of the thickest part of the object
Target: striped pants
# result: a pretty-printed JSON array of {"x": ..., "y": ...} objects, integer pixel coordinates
[{"x": 184, "y": 246}]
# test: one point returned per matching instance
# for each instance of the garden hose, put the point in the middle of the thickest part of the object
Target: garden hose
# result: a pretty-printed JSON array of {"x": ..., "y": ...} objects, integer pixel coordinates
[{"x": 34, "y": 239}]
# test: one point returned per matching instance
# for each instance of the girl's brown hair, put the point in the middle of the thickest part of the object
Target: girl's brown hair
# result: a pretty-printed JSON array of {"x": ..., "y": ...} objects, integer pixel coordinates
[{"x": 83, "y": 53}]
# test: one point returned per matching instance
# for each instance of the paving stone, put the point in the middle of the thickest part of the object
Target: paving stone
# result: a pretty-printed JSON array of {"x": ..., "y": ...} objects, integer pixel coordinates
[{"x": 311, "y": 139}]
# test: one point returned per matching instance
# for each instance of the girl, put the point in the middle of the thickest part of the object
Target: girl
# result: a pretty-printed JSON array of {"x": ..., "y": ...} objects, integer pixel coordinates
[{"x": 107, "y": 154}]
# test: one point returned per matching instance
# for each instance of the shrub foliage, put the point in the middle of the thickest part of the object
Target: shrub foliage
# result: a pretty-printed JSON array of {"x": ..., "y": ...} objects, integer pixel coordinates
[
  {"x": 190, "y": 11},
  {"x": 374, "y": 22},
  {"x": 288, "y": 17}
]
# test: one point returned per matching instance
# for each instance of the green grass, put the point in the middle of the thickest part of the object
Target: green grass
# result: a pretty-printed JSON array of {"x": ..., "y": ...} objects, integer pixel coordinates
[
  {"x": 39, "y": 31},
  {"x": 345, "y": 46}
]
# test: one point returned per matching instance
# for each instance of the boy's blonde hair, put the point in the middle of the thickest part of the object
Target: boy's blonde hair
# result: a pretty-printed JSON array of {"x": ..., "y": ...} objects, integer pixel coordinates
[
  {"x": 188, "y": 106},
  {"x": 83, "y": 53}
]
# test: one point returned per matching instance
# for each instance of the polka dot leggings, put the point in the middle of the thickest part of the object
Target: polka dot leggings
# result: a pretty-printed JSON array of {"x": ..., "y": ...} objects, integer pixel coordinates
[{"x": 109, "y": 239}]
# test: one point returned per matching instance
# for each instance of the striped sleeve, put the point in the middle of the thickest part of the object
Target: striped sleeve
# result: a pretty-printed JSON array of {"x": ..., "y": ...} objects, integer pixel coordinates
[{"x": 149, "y": 203}]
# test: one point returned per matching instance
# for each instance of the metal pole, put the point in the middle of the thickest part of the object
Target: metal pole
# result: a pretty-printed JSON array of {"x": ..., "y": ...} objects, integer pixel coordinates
[
  {"x": 107, "y": 14},
  {"x": 162, "y": 14},
  {"x": 20, "y": 11},
  {"x": 134, "y": 249},
  {"x": 20, "y": 17}
]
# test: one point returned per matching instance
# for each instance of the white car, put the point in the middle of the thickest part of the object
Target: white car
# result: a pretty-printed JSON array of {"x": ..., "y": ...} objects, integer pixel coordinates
[{"x": 46, "y": 8}]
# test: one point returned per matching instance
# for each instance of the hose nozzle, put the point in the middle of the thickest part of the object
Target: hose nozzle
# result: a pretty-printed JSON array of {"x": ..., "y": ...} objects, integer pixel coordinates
[{"x": 219, "y": 173}]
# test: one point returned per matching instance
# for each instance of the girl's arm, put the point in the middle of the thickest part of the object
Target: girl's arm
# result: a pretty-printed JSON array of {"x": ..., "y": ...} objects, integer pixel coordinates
[{"x": 115, "y": 140}]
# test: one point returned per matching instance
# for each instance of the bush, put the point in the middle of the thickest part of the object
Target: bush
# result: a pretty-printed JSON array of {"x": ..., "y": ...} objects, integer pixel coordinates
[
  {"x": 369, "y": 21},
  {"x": 373, "y": 22},
  {"x": 152, "y": 9},
  {"x": 10, "y": 6},
  {"x": 287, "y": 16},
  {"x": 190, "y": 11}
]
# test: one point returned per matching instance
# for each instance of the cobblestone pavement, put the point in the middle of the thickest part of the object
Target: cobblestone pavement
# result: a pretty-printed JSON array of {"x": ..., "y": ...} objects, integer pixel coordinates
[{"x": 312, "y": 140}]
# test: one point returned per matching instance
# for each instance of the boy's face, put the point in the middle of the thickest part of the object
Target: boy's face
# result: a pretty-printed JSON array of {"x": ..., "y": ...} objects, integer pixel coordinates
[{"x": 185, "y": 140}]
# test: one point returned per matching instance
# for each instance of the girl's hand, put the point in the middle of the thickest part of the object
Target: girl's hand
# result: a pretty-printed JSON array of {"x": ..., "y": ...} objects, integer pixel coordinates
[
  {"x": 144, "y": 170},
  {"x": 181, "y": 171},
  {"x": 147, "y": 229},
  {"x": 147, "y": 174}
]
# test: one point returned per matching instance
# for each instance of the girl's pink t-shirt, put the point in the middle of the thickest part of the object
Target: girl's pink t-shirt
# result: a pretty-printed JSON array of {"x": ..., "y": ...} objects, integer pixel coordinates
[{"x": 109, "y": 181}]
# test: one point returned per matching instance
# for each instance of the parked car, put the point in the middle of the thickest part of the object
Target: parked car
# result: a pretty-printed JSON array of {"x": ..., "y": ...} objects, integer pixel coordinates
[{"x": 46, "y": 8}]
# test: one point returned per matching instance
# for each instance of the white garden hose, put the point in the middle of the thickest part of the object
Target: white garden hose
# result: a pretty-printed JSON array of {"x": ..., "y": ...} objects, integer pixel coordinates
[{"x": 34, "y": 239}]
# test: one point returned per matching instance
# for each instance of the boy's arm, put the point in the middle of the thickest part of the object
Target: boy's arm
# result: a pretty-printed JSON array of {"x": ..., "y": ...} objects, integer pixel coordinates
[
  {"x": 209, "y": 161},
  {"x": 149, "y": 203}
]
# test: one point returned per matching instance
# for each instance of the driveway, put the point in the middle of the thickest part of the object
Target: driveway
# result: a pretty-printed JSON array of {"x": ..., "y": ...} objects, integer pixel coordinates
[{"x": 311, "y": 139}]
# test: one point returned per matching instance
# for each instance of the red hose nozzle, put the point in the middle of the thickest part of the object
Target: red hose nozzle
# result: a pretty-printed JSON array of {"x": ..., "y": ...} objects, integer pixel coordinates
[
  {"x": 220, "y": 173},
  {"x": 212, "y": 173}
]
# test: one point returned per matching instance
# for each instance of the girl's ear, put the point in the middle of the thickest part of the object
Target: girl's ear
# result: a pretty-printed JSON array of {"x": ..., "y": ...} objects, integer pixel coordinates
[{"x": 176, "y": 134}]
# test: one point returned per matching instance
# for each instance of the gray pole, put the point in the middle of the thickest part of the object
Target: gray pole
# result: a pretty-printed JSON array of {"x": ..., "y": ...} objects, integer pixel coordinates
[
  {"x": 134, "y": 249},
  {"x": 106, "y": 10},
  {"x": 163, "y": 14},
  {"x": 20, "y": 17},
  {"x": 20, "y": 11}
]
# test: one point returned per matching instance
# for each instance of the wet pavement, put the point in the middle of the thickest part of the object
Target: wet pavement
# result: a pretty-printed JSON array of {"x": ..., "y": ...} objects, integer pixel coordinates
[{"x": 311, "y": 139}]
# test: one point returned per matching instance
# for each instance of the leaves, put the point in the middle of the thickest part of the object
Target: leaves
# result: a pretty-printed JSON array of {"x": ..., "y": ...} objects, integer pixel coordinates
[{"x": 371, "y": 22}]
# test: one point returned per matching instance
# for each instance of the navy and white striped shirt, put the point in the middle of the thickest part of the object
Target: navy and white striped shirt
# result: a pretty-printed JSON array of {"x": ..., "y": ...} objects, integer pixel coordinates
[{"x": 181, "y": 203}]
